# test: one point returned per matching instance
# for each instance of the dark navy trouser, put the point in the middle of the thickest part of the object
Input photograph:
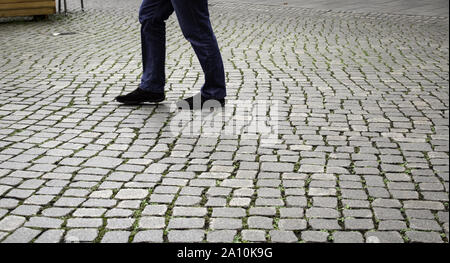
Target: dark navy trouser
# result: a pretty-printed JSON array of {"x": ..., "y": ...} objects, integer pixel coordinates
[{"x": 193, "y": 17}]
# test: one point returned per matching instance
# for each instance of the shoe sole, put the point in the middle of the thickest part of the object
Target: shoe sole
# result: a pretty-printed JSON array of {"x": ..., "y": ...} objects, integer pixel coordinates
[
  {"x": 140, "y": 102},
  {"x": 222, "y": 106}
]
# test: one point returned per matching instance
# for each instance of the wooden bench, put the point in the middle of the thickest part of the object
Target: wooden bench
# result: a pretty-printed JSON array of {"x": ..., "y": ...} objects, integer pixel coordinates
[{"x": 27, "y": 7}]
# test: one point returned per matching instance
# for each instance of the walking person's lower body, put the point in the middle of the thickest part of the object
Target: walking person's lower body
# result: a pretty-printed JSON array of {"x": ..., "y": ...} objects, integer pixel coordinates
[{"x": 193, "y": 17}]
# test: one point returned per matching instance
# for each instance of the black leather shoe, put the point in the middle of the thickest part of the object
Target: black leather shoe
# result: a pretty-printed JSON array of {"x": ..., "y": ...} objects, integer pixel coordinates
[
  {"x": 139, "y": 96},
  {"x": 198, "y": 102}
]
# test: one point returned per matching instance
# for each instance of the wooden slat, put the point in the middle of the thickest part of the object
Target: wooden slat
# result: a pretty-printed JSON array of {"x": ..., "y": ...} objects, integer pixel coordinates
[
  {"x": 27, "y": 12},
  {"x": 28, "y": 5},
  {"x": 18, "y": 1}
]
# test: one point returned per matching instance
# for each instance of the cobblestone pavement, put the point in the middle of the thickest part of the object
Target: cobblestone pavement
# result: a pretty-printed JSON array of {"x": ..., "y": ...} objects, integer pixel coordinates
[
  {"x": 407, "y": 7},
  {"x": 363, "y": 153}
]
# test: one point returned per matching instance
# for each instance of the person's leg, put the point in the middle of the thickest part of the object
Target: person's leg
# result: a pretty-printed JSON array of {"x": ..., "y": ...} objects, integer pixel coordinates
[
  {"x": 152, "y": 16},
  {"x": 193, "y": 16}
]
